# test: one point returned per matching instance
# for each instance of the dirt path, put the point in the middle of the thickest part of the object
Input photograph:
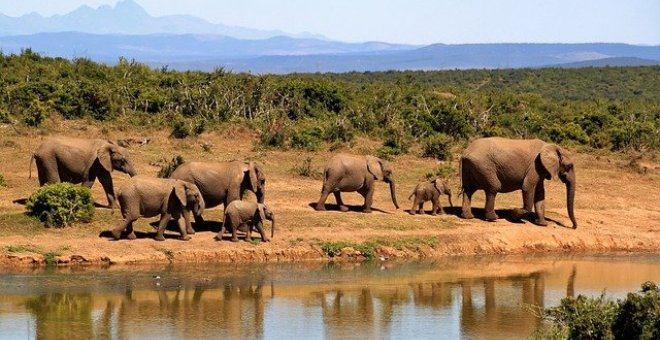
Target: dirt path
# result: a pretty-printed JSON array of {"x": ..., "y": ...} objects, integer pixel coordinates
[{"x": 610, "y": 212}]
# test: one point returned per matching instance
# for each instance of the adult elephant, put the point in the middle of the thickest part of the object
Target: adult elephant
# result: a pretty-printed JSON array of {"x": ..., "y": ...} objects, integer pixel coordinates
[
  {"x": 75, "y": 160},
  {"x": 347, "y": 173},
  {"x": 223, "y": 182},
  {"x": 505, "y": 165}
]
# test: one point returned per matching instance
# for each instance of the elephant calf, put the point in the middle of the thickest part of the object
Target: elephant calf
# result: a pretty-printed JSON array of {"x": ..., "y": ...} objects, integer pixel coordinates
[
  {"x": 430, "y": 191},
  {"x": 252, "y": 214},
  {"x": 147, "y": 197}
]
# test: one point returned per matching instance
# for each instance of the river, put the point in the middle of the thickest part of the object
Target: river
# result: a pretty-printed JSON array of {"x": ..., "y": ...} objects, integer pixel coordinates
[{"x": 455, "y": 297}]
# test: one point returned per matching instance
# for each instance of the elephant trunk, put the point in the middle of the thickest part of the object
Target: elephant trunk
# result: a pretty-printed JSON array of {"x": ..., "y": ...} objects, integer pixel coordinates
[
  {"x": 129, "y": 169},
  {"x": 272, "y": 227},
  {"x": 198, "y": 208},
  {"x": 393, "y": 193},
  {"x": 570, "y": 197}
]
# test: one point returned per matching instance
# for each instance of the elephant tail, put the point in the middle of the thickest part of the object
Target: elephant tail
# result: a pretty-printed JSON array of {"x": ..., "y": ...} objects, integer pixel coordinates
[
  {"x": 460, "y": 176},
  {"x": 411, "y": 195},
  {"x": 30, "y": 167}
]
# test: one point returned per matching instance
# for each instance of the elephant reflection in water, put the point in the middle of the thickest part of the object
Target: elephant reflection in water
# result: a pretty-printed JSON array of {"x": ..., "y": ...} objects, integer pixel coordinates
[
  {"x": 62, "y": 316},
  {"x": 237, "y": 310},
  {"x": 351, "y": 314}
]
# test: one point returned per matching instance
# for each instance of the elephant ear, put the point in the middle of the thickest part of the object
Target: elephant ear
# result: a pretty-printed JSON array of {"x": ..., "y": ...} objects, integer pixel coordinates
[
  {"x": 105, "y": 157},
  {"x": 375, "y": 167},
  {"x": 437, "y": 185},
  {"x": 252, "y": 172},
  {"x": 180, "y": 193},
  {"x": 262, "y": 215},
  {"x": 549, "y": 156}
]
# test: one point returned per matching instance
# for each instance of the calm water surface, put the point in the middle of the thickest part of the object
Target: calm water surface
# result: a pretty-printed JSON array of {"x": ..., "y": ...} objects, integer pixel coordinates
[{"x": 449, "y": 298}]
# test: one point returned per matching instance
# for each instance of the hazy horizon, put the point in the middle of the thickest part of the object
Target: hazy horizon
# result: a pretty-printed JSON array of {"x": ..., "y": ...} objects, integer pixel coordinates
[{"x": 419, "y": 23}]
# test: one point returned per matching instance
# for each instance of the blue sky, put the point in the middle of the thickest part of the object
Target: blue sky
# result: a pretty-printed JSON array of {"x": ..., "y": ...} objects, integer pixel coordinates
[{"x": 412, "y": 21}]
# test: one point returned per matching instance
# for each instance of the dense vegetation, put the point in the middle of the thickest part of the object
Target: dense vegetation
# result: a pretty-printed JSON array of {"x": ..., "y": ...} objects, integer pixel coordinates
[
  {"x": 61, "y": 204},
  {"x": 603, "y": 108},
  {"x": 635, "y": 317}
]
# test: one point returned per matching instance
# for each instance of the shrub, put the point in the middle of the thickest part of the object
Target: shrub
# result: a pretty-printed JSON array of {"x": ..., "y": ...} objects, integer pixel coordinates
[
  {"x": 36, "y": 114},
  {"x": 167, "y": 169},
  {"x": 182, "y": 129},
  {"x": 635, "y": 317},
  {"x": 306, "y": 139},
  {"x": 4, "y": 116},
  {"x": 3, "y": 182},
  {"x": 305, "y": 169},
  {"x": 273, "y": 139},
  {"x": 442, "y": 171},
  {"x": 584, "y": 317},
  {"x": 639, "y": 314},
  {"x": 61, "y": 204},
  {"x": 438, "y": 146}
]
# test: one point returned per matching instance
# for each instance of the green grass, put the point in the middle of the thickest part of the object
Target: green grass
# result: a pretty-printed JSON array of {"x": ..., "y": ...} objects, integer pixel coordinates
[
  {"x": 18, "y": 223},
  {"x": 50, "y": 257},
  {"x": 369, "y": 247}
]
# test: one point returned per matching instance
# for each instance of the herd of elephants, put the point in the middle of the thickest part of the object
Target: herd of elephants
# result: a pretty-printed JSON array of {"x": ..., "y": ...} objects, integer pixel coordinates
[{"x": 495, "y": 165}]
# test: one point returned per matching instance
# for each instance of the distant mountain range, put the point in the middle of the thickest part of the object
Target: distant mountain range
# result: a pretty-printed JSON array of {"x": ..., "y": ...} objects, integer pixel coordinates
[
  {"x": 185, "y": 42},
  {"x": 128, "y": 17}
]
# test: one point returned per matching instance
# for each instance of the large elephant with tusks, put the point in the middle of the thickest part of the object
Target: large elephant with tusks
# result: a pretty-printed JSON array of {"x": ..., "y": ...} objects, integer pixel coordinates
[{"x": 504, "y": 165}]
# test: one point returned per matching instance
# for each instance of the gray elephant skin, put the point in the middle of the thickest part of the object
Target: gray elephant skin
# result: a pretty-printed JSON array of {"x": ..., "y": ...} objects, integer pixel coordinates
[
  {"x": 251, "y": 214},
  {"x": 148, "y": 197},
  {"x": 223, "y": 182},
  {"x": 74, "y": 160},
  {"x": 348, "y": 173},
  {"x": 430, "y": 191},
  {"x": 504, "y": 165}
]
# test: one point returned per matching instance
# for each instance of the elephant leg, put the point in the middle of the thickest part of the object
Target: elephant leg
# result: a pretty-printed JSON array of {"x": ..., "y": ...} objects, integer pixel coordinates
[
  {"x": 186, "y": 218},
  {"x": 340, "y": 203},
  {"x": 490, "y": 207},
  {"x": 130, "y": 232},
  {"x": 235, "y": 223},
  {"x": 539, "y": 205},
  {"x": 164, "y": 219},
  {"x": 413, "y": 209},
  {"x": 183, "y": 228},
  {"x": 47, "y": 173},
  {"x": 106, "y": 182},
  {"x": 248, "y": 232},
  {"x": 368, "y": 195},
  {"x": 223, "y": 227},
  {"x": 260, "y": 228},
  {"x": 467, "y": 203},
  {"x": 116, "y": 232},
  {"x": 325, "y": 191},
  {"x": 420, "y": 207},
  {"x": 434, "y": 208}
]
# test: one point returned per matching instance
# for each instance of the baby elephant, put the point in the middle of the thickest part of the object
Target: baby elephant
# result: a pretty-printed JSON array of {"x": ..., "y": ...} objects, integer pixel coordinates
[
  {"x": 147, "y": 197},
  {"x": 252, "y": 214},
  {"x": 430, "y": 191}
]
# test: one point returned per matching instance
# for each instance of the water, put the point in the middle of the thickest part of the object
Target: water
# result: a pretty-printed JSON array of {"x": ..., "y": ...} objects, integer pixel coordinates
[{"x": 449, "y": 298}]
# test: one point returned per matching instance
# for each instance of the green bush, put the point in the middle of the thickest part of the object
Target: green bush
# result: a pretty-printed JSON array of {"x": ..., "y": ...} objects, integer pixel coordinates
[
  {"x": 35, "y": 114},
  {"x": 635, "y": 317},
  {"x": 438, "y": 146},
  {"x": 3, "y": 182},
  {"x": 639, "y": 314},
  {"x": 306, "y": 139},
  {"x": 273, "y": 138},
  {"x": 167, "y": 169},
  {"x": 305, "y": 169},
  {"x": 61, "y": 204},
  {"x": 584, "y": 317},
  {"x": 442, "y": 171}
]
